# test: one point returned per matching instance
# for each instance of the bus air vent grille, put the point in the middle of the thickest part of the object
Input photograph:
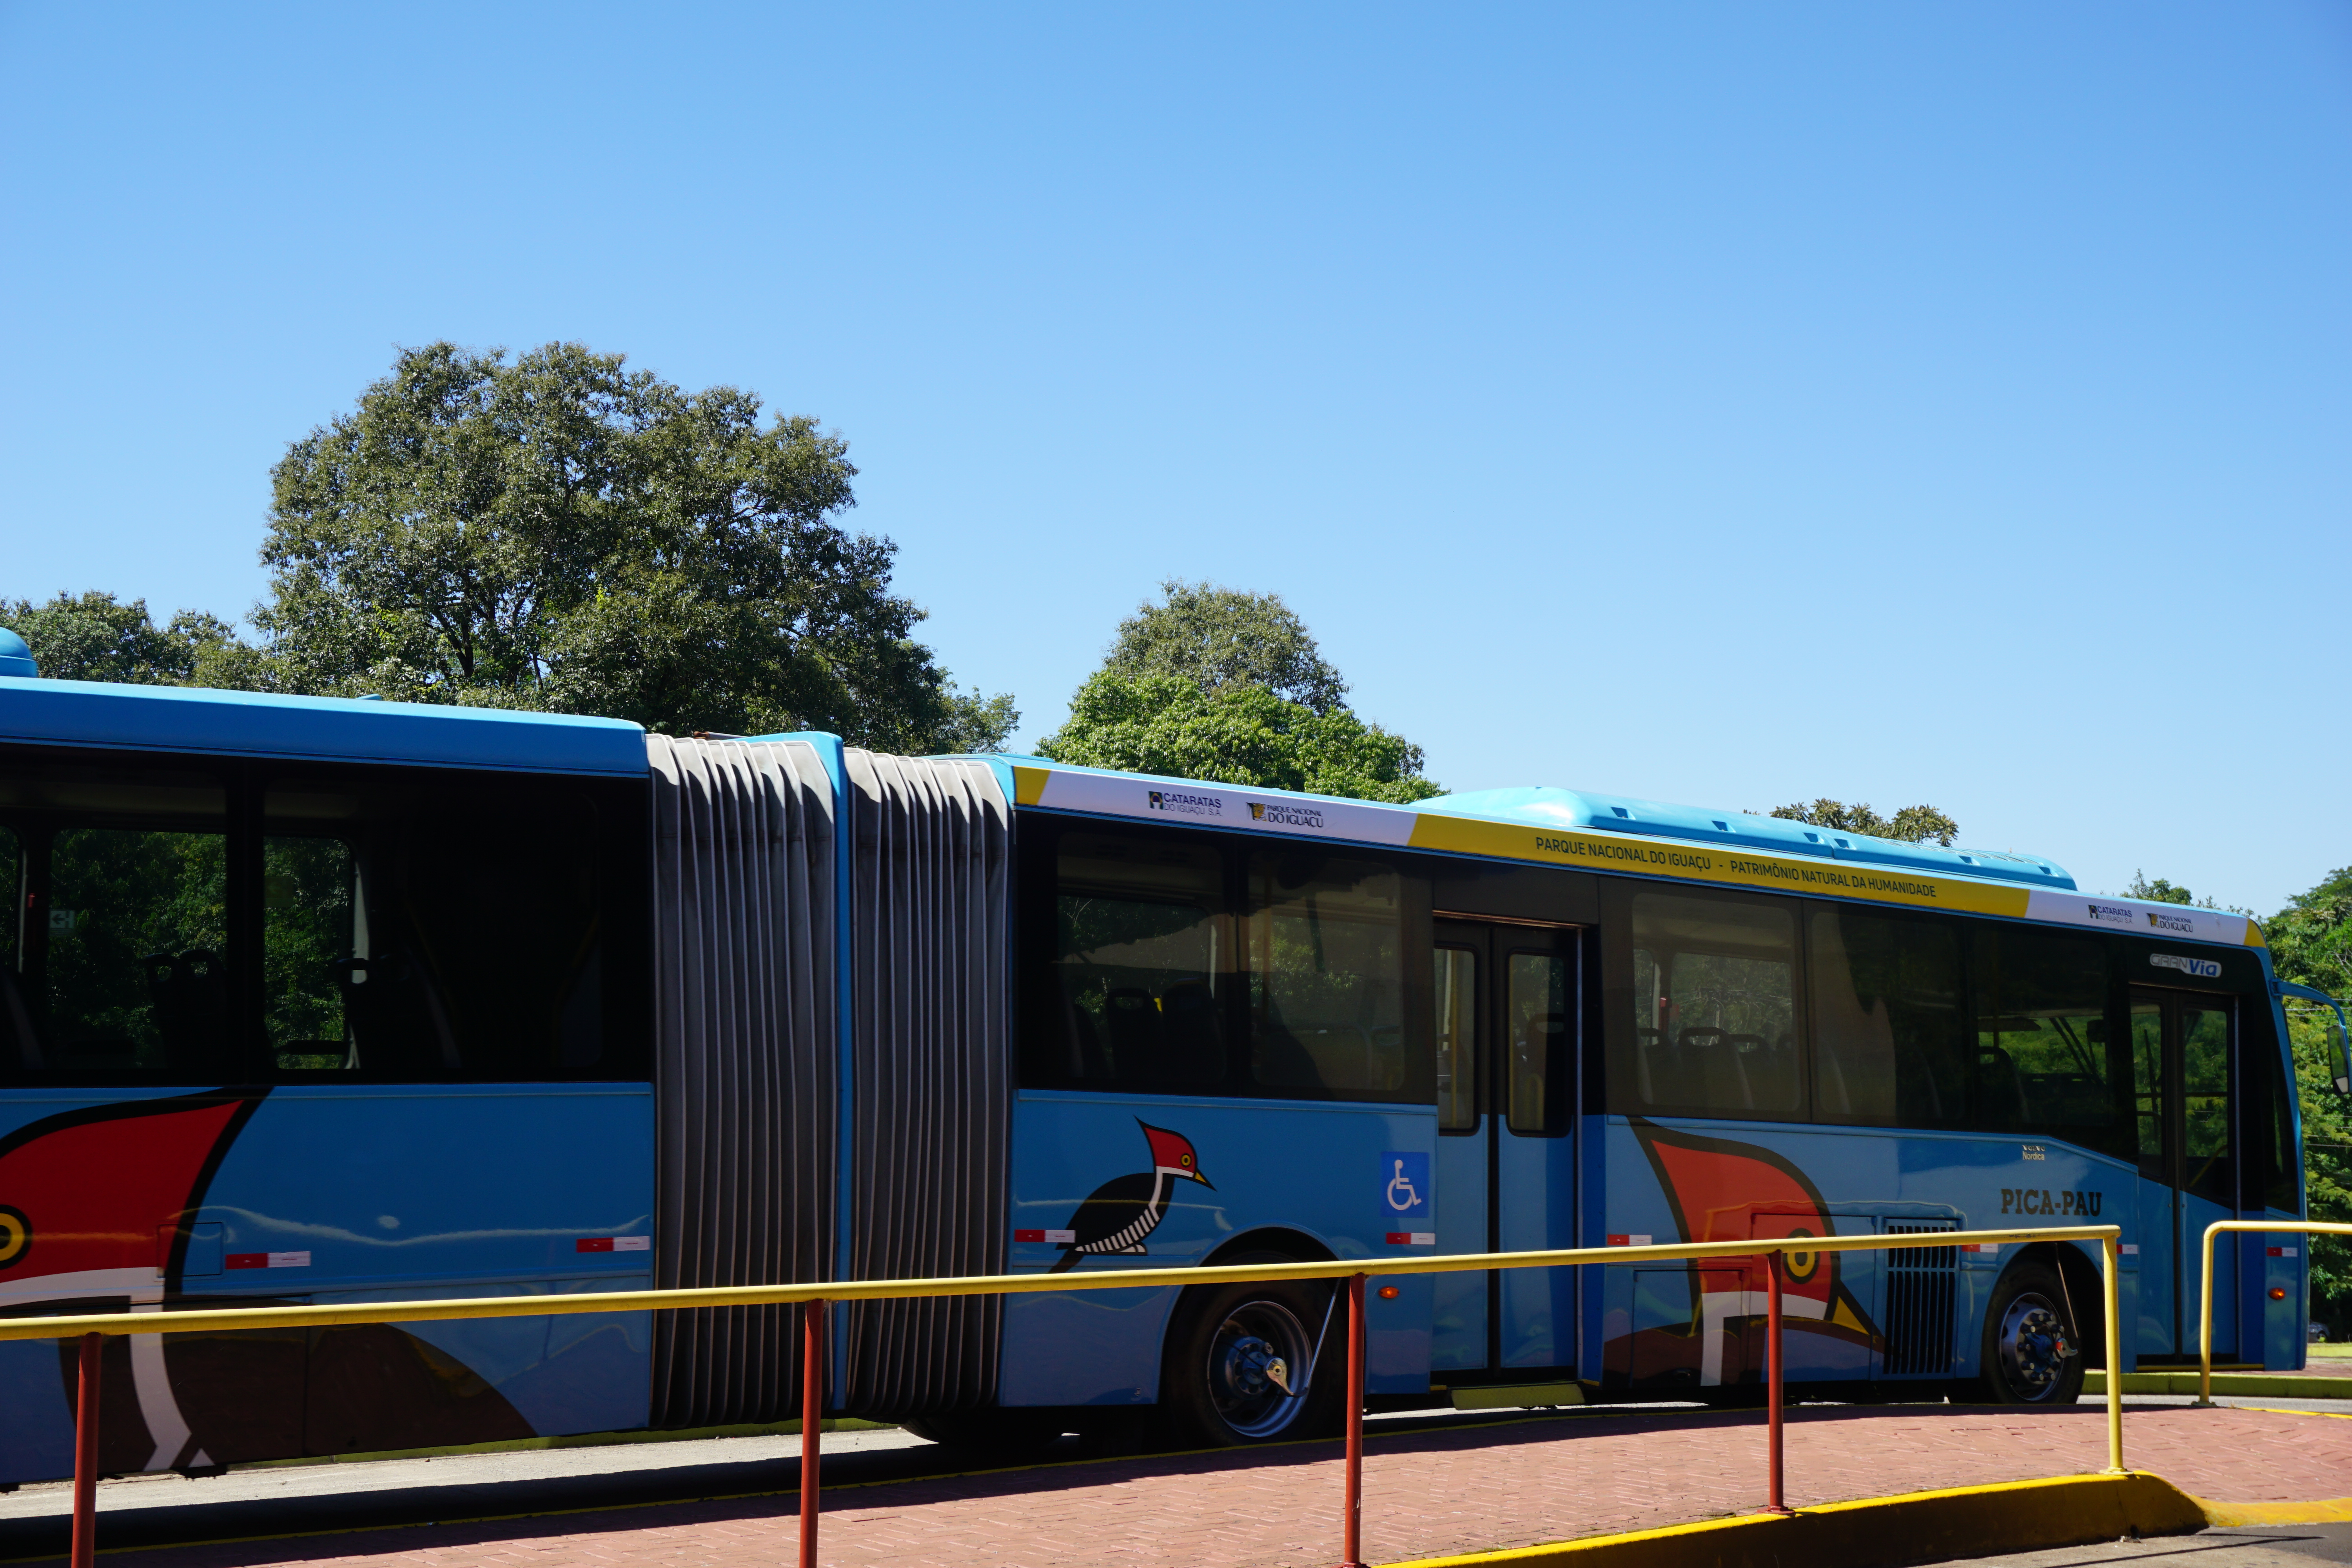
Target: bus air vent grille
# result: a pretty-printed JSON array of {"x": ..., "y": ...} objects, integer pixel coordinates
[{"x": 1921, "y": 1282}]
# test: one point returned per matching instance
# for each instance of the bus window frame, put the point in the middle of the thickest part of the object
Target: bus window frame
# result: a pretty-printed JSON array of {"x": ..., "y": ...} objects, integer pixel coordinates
[
  {"x": 1036, "y": 989},
  {"x": 624, "y": 867},
  {"x": 1960, "y": 928},
  {"x": 1618, "y": 1074}
]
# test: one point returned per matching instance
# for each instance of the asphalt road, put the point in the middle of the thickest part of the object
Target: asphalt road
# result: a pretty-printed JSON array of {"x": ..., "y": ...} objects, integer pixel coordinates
[{"x": 2267, "y": 1546}]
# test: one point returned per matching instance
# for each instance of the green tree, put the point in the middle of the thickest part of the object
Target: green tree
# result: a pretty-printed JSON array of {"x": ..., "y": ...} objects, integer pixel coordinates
[
  {"x": 1223, "y": 637},
  {"x": 1912, "y": 825},
  {"x": 1218, "y": 683},
  {"x": 94, "y": 636},
  {"x": 2311, "y": 944},
  {"x": 1235, "y": 735},
  {"x": 2159, "y": 891},
  {"x": 557, "y": 531}
]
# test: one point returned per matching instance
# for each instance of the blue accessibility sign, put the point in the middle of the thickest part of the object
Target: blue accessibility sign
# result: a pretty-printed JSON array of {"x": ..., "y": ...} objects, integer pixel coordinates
[{"x": 1404, "y": 1186}]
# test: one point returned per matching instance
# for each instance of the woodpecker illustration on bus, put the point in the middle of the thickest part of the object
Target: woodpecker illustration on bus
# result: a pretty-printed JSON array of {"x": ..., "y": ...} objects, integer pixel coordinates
[
  {"x": 1721, "y": 1190},
  {"x": 1116, "y": 1216},
  {"x": 98, "y": 1210},
  {"x": 93, "y": 1210}
]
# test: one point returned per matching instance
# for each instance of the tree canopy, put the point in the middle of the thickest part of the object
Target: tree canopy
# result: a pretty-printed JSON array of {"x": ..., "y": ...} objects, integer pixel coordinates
[
  {"x": 559, "y": 531},
  {"x": 1219, "y": 638},
  {"x": 1235, "y": 735},
  {"x": 94, "y": 636},
  {"x": 1217, "y": 683},
  {"x": 1913, "y": 824}
]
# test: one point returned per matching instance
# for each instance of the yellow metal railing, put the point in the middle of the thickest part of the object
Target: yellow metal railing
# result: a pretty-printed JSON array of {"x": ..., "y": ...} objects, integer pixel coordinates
[
  {"x": 92, "y": 1328},
  {"x": 2205, "y": 1307}
]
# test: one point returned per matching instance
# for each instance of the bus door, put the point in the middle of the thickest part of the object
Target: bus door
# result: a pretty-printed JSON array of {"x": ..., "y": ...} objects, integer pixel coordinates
[
  {"x": 1506, "y": 997},
  {"x": 2182, "y": 1053}
]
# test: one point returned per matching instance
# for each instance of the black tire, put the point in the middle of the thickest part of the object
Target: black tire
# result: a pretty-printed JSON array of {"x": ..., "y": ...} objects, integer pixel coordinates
[
  {"x": 1219, "y": 1386},
  {"x": 1012, "y": 1433},
  {"x": 2033, "y": 1352}
]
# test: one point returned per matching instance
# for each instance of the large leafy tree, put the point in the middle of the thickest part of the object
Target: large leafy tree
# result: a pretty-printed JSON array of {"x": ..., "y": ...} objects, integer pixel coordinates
[
  {"x": 1216, "y": 683},
  {"x": 559, "y": 531},
  {"x": 1221, "y": 638}
]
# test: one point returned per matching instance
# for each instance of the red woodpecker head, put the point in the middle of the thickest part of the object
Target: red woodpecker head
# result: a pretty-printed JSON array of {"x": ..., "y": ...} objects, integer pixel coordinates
[{"x": 1172, "y": 1152}]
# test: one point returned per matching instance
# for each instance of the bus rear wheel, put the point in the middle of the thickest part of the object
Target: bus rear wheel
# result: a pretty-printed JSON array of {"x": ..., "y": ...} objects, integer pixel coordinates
[
  {"x": 1243, "y": 1365},
  {"x": 2032, "y": 1353}
]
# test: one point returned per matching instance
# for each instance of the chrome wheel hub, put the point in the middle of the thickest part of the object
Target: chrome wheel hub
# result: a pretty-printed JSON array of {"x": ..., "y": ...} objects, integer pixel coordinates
[
  {"x": 2033, "y": 1346},
  {"x": 1256, "y": 1365}
]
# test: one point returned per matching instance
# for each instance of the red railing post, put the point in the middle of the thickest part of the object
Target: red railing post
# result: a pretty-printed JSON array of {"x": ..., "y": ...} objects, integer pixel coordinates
[
  {"x": 1351, "y": 1533},
  {"x": 85, "y": 1507},
  {"x": 812, "y": 1423},
  {"x": 1773, "y": 1504}
]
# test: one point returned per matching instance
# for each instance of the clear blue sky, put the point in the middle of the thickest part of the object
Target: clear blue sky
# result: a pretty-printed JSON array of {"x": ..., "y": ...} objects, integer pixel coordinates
[{"x": 1721, "y": 404}]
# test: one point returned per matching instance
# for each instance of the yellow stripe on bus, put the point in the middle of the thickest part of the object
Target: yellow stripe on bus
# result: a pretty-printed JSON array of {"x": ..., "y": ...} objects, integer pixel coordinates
[{"x": 1735, "y": 867}]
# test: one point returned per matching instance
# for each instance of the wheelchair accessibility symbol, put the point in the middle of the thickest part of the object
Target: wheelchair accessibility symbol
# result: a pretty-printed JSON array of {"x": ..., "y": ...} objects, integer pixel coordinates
[{"x": 1405, "y": 1185}]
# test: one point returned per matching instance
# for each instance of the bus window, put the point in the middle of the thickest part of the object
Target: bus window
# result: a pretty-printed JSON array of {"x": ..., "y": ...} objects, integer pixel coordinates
[
  {"x": 1536, "y": 1022},
  {"x": 2205, "y": 1097},
  {"x": 1326, "y": 975},
  {"x": 307, "y": 934},
  {"x": 424, "y": 929},
  {"x": 16, "y": 1020},
  {"x": 137, "y": 926},
  {"x": 1138, "y": 962},
  {"x": 1456, "y": 984},
  {"x": 1890, "y": 1041},
  {"x": 117, "y": 962},
  {"x": 2148, "y": 1088},
  {"x": 2276, "y": 1158},
  {"x": 2043, "y": 1055},
  {"x": 1714, "y": 1007}
]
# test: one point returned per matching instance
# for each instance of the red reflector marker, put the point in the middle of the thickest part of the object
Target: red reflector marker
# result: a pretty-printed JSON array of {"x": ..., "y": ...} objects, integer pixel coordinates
[
  {"x": 1028, "y": 1236},
  {"x": 614, "y": 1243}
]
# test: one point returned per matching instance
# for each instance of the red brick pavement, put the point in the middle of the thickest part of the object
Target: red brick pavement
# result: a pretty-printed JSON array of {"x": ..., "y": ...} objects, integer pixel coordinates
[{"x": 1509, "y": 1484}]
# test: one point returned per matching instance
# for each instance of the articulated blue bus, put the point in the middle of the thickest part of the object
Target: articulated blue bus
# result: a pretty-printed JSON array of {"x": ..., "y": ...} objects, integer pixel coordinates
[{"x": 323, "y": 1001}]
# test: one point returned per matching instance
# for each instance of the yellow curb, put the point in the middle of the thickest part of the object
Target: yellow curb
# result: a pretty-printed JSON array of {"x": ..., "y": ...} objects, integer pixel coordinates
[
  {"x": 2237, "y": 1385},
  {"x": 1962, "y": 1521},
  {"x": 2333, "y": 1511}
]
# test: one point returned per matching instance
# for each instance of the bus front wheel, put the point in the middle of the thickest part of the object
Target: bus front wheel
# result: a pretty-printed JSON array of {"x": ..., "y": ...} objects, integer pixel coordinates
[
  {"x": 1255, "y": 1363},
  {"x": 2032, "y": 1353}
]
